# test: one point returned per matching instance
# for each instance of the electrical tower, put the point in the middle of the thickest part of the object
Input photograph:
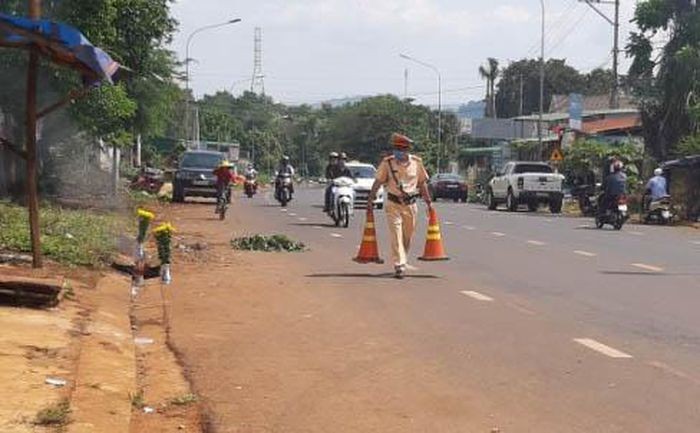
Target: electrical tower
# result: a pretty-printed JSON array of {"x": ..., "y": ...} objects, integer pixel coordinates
[{"x": 257, "y": 84}]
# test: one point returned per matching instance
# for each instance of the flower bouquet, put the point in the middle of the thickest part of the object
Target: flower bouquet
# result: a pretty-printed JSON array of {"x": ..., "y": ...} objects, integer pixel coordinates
[{"x": 164, "y": 235}]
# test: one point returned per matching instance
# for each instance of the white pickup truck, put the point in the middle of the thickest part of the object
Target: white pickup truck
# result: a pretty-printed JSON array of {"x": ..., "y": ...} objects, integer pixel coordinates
[{"x": 530, "y": 183}]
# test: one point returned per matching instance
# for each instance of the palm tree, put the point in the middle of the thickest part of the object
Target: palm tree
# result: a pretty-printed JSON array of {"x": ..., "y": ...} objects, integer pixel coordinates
[{"x": 490, "y": 74}]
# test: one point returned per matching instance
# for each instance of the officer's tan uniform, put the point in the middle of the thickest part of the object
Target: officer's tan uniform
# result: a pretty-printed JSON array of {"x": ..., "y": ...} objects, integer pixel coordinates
[{"x": 401, "y": 217}]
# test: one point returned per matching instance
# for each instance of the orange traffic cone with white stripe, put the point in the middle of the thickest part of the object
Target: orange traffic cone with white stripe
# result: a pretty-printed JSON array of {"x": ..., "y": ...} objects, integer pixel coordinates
[
  {"x": 369, "y": 249},
  {"x": 434, "y": 249}
]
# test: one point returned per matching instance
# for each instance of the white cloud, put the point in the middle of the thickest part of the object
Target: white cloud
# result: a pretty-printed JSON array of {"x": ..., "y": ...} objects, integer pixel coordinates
[{"x": 512, "y": 14}]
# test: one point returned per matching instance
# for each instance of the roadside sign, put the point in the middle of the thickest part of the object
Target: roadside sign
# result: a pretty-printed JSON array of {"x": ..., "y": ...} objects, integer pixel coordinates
[
  {"x": 576, "y": 111},
  {"x": 556, "y": 156}
]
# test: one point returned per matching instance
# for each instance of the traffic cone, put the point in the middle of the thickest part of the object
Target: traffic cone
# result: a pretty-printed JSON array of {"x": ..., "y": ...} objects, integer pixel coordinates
[
  {"x": 369, "y": 250},
  {"x": 434, "y": 250}
]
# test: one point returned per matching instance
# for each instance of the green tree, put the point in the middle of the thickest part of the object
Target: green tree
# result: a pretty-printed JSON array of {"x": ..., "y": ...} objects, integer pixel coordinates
[{"x": 666, "y": 83}]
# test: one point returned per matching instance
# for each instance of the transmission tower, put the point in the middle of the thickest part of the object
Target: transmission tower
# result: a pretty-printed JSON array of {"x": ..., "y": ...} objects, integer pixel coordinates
[{"x": 257, "y": 84}]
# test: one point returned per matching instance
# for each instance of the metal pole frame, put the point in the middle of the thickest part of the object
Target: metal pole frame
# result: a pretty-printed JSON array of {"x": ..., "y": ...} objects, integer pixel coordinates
[
  {"x": 439, "y": 77},
  {"x": 542, "y": 75}
]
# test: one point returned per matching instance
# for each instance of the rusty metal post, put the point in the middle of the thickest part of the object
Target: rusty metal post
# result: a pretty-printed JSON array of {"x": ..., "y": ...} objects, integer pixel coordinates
[{"x": 32, "y": 175}]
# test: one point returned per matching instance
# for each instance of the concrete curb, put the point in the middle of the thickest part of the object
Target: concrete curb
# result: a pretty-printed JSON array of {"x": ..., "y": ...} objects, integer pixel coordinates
[{"x": 106, "y": 371}]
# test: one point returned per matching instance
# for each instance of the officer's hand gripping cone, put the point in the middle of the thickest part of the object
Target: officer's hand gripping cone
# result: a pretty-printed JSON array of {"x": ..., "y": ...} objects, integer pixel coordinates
[
  {"x": 369, "y": 250},
  {"x": 434, "y": 249}
]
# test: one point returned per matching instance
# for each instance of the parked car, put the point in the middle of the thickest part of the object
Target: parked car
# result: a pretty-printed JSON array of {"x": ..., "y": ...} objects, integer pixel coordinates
[
  {"x": 194, "y": 176},
  {"x": 530, "y": 183},
  {"x": 364, "y": 173},
  {"x": 449, "y": 186}
]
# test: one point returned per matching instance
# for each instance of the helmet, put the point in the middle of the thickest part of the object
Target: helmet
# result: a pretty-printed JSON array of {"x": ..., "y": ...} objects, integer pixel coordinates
[
  {"x": 658, "y": 172},
  {"x": 618, "y": 166},
  {"x": 225, "y": 164},
  {"x": 343, "y": 156},
  {"x": 400, "y": 141},
  {"x": 285, "y": 158},
  {"x": 333, "y": 155}
]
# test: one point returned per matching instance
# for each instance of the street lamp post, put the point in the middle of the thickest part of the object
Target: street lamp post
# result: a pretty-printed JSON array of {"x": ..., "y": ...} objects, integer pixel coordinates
[
  {"x": 189, "y": 42},
  {"x": 187, "y": 76},
  {"x": 539, "y": 123},
  {"x": 439, "y": 77}
]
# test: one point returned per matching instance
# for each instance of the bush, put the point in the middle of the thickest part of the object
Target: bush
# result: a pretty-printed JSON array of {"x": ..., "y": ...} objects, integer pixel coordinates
[
  {"x": 74, "y": 237},
  {"x": 55, "y": 415}
]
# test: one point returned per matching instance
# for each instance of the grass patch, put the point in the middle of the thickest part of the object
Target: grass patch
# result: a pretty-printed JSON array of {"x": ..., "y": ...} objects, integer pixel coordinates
[
  {"x": 54, "y": 415},
  {"x": 137, "y": 400},
  {"x": 184, "y": 400},
  {"x": 274, "y": 243},
  {"x": 73, "y": 237}
]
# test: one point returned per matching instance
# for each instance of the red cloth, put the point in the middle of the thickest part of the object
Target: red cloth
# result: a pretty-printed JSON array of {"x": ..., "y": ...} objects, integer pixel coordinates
[{"x": 224, "y": 176}]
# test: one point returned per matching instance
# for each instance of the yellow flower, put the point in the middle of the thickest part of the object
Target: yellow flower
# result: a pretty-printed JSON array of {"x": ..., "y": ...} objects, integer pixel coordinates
[
  {"x": 142, "y": 213},
  {"x": 164, "y": 228}
]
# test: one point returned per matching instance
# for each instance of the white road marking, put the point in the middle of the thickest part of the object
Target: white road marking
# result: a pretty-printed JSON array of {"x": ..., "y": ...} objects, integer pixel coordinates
[
  {"x": 449, "y": 223},
  {"x": 673, "y": 371},
  {"x": 478, "y": 296},
  {"x": 585, "y": 253},
  {"x": 498, "y": 234},
  {"x": 695, "y": 242},
  {"x": 636, "y": 233},
  {"x": 648, "y": 267},
  {"x": 284, "y": 210},
  {"x": 292, "y": 214},
  {"x": 584, "y": 226},
  {"x": 336, "y": 235},
  {"x": 536, "y": 243},
  {"x": 303, "y": 219},
  {"x": 470, "y": 228},
  {"x": 602, "y": 348},
  {"x": 318, "y": 227},
  {"x": 548, "y": 220}
]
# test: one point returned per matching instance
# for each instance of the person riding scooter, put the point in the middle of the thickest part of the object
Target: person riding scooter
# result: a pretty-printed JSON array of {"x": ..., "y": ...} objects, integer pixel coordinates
[
  {"x": 284, "y": 170},
  {"x": 224, "y": 177},
  {"x": 331, "y": 170},
  {"x": 614, "y": 186},
  {"x": 657, "y": 187}
]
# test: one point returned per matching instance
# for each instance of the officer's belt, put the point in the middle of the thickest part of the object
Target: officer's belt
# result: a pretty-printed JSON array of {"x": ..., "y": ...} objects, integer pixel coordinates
[{"x": 405, "y": 200}]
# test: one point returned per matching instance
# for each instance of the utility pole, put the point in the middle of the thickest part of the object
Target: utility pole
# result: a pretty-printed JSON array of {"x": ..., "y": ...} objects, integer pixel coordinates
[
  {"x": 522, "y": 88},
  {"x": 615, "y": 23},
  {"x": 32, "y": 175},
  {"x": 542, "y": 72},
  {"x": 405, "y": 83}
]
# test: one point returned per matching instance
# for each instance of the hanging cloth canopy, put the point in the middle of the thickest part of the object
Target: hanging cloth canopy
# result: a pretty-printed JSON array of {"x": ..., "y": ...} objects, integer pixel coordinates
[{"x": 61, "y": 43}]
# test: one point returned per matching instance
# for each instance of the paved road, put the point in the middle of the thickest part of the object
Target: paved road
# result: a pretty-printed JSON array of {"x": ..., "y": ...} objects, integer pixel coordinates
[{"x": 538, "y": 323}]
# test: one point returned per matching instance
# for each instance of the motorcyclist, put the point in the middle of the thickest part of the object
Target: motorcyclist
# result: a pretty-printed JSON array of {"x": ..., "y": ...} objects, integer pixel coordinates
[
  {"x": 224, "y": 177},
  {"x": 284, "y": 169},
  {"x": 331, "y": 170},
  {"x": 657, "y": 185},
  {"x": 250, "y": 172},
  {"x": 614, "y": 185}
]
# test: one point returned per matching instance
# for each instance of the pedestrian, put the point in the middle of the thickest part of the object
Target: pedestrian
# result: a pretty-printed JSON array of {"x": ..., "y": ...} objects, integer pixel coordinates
[{"x": 405, "y": 179}]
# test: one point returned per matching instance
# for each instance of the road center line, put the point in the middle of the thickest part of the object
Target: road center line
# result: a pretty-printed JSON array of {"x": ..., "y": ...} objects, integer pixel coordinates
[
  {"x": 471, "y": 228},
  {"x": 449, "y": 223},
  {"x": 498, "y": 234},
  {"x": 696, "y": 242},
  {"x": 292, "y": 214},
  {"x": 478, "y": 296},
  {"x": 336, "y": 235},
  {"x": 648, "y": 267},
  {"x": 303, "y": 219},
  {"x": 536, "y": 243},
  {"x": 585, "y": 253},
  {"x": 602, "y": 348},
  {"x": 636, "y": 233}
]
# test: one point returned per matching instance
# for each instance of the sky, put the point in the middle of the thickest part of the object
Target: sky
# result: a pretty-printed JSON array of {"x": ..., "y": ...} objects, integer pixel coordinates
[{"x": 318, "y": 50}]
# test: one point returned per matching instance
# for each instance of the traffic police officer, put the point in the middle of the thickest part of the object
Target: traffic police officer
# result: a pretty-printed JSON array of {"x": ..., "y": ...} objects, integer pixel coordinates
[{"x": 405, "y": 179}]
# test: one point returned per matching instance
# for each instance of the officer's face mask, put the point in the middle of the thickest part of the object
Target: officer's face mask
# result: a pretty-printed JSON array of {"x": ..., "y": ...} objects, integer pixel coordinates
[{"x": 400, "y": 155}]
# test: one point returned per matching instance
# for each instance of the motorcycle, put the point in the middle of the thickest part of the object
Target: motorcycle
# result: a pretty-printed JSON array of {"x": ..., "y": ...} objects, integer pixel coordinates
[
  {"x": 250, "y": 187},
  {"x": 283, "y": 189},
  {"x": 616, "y": 213},
  {"x": 660, "y": 210},
  {"x": 343, "y": 201},
  {"x": 585, "y": 196},
  {"x": 149, "y": 180}
]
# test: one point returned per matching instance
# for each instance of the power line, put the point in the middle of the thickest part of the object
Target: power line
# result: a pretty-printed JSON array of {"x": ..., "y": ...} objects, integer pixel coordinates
[{"x": 569, "y": 32}]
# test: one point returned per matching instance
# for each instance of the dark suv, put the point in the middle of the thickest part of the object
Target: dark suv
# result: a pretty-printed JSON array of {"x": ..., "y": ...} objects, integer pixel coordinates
[{"x": 194, "y": 176}]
